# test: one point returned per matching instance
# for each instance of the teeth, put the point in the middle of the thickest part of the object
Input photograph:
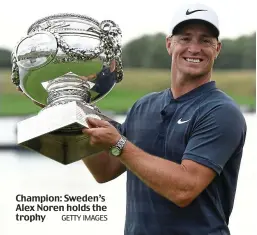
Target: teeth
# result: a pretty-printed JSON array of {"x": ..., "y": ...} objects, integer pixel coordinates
[{"x": 193, "y": 60}]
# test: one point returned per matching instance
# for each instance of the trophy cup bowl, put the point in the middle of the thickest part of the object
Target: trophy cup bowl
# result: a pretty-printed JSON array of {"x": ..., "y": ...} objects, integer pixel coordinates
[{"x": 66, "y": 63}]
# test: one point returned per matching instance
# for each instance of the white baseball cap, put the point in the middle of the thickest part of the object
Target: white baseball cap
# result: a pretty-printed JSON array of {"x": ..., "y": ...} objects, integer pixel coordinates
[{"x": 195, "y": 12}]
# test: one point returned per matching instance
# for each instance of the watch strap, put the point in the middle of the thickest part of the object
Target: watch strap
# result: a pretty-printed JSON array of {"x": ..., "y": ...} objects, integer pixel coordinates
[{"x": 120, "y": 144}]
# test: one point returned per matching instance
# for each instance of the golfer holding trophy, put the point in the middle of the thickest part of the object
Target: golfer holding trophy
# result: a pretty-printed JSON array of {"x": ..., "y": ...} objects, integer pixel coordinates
[{"x": 65, "y": 64}]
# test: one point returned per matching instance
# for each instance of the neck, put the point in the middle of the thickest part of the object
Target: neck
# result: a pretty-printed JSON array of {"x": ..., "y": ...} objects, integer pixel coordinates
[{"x": 182, "y": 84}]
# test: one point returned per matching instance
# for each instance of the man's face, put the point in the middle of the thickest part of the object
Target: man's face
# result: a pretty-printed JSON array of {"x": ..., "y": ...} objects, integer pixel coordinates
[{"x": 193, "y": 50}]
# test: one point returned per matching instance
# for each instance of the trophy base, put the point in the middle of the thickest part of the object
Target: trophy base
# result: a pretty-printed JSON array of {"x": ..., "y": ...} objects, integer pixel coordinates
[{"x": 56, "y": 132}]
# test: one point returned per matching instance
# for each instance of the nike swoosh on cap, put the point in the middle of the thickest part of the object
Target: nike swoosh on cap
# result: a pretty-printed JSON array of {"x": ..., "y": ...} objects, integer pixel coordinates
[{"x": 191, "y": 12}]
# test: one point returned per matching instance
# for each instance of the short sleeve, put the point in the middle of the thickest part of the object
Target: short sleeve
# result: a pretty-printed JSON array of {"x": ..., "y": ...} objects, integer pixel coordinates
[{"x": 216, "y": 136}]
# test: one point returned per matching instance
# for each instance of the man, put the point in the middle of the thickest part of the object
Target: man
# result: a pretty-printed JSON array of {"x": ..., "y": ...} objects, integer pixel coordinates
[{"x": 181, "y": 147}]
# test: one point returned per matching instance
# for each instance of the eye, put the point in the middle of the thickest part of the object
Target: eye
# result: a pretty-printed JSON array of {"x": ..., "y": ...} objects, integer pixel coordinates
[
  {"x": 206, "y": 40},
  {"x": 185, "y": 38}
]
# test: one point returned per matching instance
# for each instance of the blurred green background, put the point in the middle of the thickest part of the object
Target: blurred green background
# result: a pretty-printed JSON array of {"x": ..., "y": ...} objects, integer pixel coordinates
[{"x": 147, "y": 69}]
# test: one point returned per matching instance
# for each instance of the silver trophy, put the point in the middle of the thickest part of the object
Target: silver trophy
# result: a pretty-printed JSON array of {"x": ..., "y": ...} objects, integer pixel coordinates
[{"x": 66, "y": 63}]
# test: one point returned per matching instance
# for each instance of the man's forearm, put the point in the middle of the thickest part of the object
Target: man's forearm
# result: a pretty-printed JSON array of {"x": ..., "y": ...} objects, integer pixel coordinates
[
  {"x": 180, "y": 183},
  {"x": 167, "y": 178},
  {"x": 104, "y": 167}
]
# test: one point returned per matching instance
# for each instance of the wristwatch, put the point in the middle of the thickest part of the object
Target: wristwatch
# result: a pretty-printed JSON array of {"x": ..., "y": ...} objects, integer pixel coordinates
[{"x": 116, "y": 149}]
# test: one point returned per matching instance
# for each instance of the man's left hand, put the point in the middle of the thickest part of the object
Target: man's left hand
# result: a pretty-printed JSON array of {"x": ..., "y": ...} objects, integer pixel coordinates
[{"x": 101, "y": 133}]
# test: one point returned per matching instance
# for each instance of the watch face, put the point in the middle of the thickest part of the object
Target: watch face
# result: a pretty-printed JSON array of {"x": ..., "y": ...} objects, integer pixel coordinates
[{"x": 115, "y": 151}]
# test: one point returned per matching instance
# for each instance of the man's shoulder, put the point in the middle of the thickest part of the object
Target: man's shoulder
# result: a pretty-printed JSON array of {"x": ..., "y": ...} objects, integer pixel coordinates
[
  {"x": 222, "y": 106},
  {"x": 218, "y": 98}
]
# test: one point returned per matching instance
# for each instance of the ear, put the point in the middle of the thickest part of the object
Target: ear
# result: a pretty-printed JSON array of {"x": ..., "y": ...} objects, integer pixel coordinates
[
  {"x": 218, "y": 49},
  {"x": 169, "y": 45}
]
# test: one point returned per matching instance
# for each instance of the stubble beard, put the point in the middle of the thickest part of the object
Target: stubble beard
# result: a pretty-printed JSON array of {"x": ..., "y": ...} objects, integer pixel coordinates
[{"x": 187, "y": 76}]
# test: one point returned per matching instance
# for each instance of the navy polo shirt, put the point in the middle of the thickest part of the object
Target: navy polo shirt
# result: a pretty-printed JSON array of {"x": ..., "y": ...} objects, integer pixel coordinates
[{"x": 204, "y": 125}]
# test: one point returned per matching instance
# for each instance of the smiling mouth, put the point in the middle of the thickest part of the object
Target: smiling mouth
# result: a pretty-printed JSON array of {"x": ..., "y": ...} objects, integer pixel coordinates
[{"x": 191, "y": 60}]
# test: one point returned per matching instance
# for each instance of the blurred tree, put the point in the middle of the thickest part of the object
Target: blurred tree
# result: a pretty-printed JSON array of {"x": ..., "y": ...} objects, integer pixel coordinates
[
  {"x": 248, "y": 47},
  {"x": 149, "y": 51},
  {"x": 136, "y": 53},
  {"x": 158, "y": 56}
]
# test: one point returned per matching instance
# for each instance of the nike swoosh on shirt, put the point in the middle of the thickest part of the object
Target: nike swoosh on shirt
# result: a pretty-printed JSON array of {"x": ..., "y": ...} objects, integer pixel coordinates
[{"x": 181, "y": 122}]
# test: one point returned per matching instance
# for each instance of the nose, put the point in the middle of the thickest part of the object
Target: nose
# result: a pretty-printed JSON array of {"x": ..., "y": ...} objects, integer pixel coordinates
[{"x": 194, "y": 48}]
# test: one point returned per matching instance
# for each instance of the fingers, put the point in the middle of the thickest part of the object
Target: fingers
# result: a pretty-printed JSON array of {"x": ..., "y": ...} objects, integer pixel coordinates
[
  {"x": 93, "y": 122},
  {"x": 95, "y": 127},
  {"x": 88, "y": 131},
  {"x": 90, "y": 123},
  {"x": 93, "y": 135}
]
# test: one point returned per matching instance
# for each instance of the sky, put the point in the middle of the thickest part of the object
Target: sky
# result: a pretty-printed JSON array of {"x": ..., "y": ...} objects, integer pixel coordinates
[{"x": 135, "y": 17}]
